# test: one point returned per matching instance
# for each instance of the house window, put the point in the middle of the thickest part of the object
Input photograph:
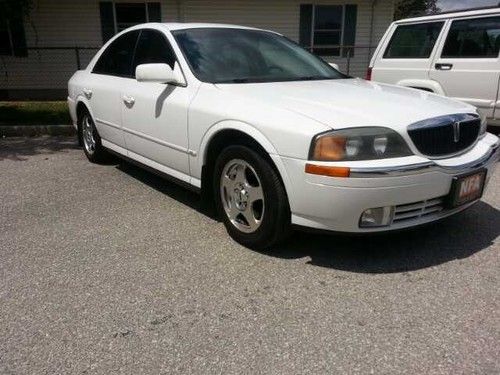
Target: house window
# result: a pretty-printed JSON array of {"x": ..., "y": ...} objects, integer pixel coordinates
[
  {"x": 12, "y": 37},
  {"x": 117, "y": 16},
  {"x": 328, "y": 30}
]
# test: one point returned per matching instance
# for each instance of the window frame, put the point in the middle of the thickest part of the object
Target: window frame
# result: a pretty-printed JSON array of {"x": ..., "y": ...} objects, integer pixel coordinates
[
  {"x": 448, "y": 29},
  {"x": 312, "y": 46},
  {"x": 437, "y": 42}
]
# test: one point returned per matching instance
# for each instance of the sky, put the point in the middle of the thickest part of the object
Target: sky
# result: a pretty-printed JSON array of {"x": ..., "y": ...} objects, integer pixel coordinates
[{"x": 446, "y": 5}]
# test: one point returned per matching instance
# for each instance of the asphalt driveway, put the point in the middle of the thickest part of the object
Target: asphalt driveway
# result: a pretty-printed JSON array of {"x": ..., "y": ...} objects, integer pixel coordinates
[{"x": 109, "y": 269}]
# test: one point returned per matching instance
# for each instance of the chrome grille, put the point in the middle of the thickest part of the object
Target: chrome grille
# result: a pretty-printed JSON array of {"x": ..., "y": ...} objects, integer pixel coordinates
[
  {"x": 445, "y": 135},
  {"x": 416, "y": 210}
]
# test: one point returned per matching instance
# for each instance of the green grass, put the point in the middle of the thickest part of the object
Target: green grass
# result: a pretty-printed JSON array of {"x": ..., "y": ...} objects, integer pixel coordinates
[{"x": 34, "y": 113}]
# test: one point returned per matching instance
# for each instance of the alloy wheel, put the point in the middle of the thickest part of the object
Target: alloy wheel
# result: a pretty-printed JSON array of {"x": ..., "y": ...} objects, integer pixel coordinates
[{"x": 242, "y": 195}]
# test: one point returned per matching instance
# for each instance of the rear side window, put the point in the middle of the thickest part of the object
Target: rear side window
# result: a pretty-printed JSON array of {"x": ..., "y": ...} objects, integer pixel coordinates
[
  {"x": 413, "y": 41},
  {"x": 473, "y": 38},
  {"x": 153, "y": 47},
  {"x": 116, "y": 60}
]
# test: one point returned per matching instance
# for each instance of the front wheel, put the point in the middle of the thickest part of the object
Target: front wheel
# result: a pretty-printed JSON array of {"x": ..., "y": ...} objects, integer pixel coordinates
[{"x": 251, "y": 198}]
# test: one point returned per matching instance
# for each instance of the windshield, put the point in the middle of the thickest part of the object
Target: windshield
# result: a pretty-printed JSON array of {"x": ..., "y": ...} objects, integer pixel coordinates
[{"x": 225, "y": 55}]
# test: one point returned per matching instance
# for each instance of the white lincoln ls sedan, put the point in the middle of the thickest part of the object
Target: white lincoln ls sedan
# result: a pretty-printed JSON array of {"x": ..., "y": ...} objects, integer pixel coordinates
[{"x": 276, "y": 136}]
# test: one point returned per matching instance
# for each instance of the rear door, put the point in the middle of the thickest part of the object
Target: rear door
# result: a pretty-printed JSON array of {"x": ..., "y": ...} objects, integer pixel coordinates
[
  {"x": 468, "y": 65},
  {"x": 105, "y": 84},
  {"x": 408, "y": 53}
]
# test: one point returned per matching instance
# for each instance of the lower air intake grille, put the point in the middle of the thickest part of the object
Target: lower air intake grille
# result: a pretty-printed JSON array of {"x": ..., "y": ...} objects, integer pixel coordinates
[{"x": 412, "y": 211}]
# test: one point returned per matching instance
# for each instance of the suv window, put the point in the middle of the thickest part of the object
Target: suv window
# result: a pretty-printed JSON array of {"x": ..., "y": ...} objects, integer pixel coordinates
[
  {"x": 413, "y": 41},
  {"x": 473, "y": 38},
  {"x": 116, "y": 60},
  {"x": 153, "y": 47}
]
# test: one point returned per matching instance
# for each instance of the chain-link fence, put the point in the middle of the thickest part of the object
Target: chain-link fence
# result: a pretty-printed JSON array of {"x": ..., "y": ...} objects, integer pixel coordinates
[{"x": 44, "y": 72}]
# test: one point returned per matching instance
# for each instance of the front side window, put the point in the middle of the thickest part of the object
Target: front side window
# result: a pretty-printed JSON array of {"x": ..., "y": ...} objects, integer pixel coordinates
[
  {"x": 473, "y": 38},
  {"x": 413, "y": 41},
  {"x": 224, "y": 55},
  {"x": 116, "y": 60},
  {"x": 153, "y": 48}
]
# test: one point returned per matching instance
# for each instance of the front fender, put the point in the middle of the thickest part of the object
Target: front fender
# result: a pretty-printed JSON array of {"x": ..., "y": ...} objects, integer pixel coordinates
[{"x": 199, "y": 160}]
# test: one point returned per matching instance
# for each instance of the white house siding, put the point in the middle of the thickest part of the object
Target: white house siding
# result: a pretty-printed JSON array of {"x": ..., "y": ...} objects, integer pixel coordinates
[{"x": 70, "y": 23}]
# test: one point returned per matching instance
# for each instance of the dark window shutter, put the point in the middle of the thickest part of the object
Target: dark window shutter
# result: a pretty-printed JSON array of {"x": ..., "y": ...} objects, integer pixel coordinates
[
  {"x": 305, "y": 30},
  {"x": 154, "y": 12},
  {"x": 351, "y": 13},
  {"x": 107, "y": 20},
  {"x": 5, "y": 46},
  {"x": 18, "y": 36}
]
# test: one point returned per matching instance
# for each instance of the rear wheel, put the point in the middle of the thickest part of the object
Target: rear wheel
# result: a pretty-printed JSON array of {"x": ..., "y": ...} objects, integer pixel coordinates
[
  {"x": 90, "y": 139},
  {"x": 251, "y": 198}
]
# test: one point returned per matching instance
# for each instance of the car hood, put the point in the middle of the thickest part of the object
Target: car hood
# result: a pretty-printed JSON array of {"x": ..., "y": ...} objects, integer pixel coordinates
[{"x": 347, "y": 103}]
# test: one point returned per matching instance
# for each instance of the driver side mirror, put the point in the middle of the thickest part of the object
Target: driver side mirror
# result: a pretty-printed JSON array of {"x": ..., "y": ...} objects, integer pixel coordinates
[{"x": 159, "y": 73}]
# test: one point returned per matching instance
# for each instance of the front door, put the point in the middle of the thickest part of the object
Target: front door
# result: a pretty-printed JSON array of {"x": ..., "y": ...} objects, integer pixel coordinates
[
  {"x": 468, "y": 66},
  {"x": 154, "y": 115}
]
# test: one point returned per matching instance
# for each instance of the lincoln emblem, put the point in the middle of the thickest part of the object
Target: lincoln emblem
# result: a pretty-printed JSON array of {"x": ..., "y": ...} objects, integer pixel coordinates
[{"x": 456, "y": 131}]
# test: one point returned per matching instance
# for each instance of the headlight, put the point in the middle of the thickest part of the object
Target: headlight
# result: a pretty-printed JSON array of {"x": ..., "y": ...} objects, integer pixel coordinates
[{"x": 358, "y": 144}]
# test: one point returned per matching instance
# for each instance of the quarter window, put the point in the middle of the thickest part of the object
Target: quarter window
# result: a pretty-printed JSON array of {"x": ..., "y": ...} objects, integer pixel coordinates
[
  {"x": 473, "y": 38},
  {"x": 413, "y": 41},
  {"x": 116, "y": 60},
  {"x": 153, "y": 47}
]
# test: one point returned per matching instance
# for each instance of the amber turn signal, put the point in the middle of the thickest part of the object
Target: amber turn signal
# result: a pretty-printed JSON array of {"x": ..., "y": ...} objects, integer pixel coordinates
[
  {"x": 329, "y": 171},
  {"x": 329, "y": 148}
]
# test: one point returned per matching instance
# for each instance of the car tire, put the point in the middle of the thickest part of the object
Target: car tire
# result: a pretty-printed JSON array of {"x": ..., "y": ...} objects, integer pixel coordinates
[
  {"x": 90, "y": 139},
  {"x": 250, "y": 198}
]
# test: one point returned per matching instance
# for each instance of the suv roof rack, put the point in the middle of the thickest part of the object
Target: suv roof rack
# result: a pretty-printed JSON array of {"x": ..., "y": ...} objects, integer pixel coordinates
[{"x": 464, "y": 10}]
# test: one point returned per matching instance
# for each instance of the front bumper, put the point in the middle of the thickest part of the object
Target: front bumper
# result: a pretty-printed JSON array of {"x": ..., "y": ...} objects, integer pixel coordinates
[{"x": 336, "y": 204}]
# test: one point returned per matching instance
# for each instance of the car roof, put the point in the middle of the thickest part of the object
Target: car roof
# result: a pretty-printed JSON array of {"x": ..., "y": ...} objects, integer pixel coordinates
[
  {"x": 442, "y": 16},
  {"x": 171, "y": 26}
]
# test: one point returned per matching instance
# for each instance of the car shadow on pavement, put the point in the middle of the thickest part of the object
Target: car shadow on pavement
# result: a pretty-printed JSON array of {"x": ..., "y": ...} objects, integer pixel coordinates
[
  {"x": 453, "y": 238},
  {"x": 19, "y": 149},
  {"x": 173, "y": 190}
]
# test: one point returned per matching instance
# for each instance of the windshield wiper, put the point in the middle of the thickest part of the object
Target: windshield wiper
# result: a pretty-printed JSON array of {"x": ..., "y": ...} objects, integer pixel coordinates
[{"x": 238, "y": 80}]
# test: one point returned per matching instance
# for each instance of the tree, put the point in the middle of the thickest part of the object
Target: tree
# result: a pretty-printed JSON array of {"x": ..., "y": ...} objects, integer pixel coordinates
[{"x": 413, "y": 8}]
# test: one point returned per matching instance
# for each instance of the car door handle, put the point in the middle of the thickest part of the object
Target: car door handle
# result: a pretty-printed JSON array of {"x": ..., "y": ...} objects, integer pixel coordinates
[
  {"x": 439, "y": 66},
  {"x": 87, "y": 93},
  {"x": 128, "y": 100}
]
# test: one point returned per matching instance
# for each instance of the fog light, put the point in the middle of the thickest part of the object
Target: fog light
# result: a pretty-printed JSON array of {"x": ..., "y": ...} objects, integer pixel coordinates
[{"x": 376, "y": 217}]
